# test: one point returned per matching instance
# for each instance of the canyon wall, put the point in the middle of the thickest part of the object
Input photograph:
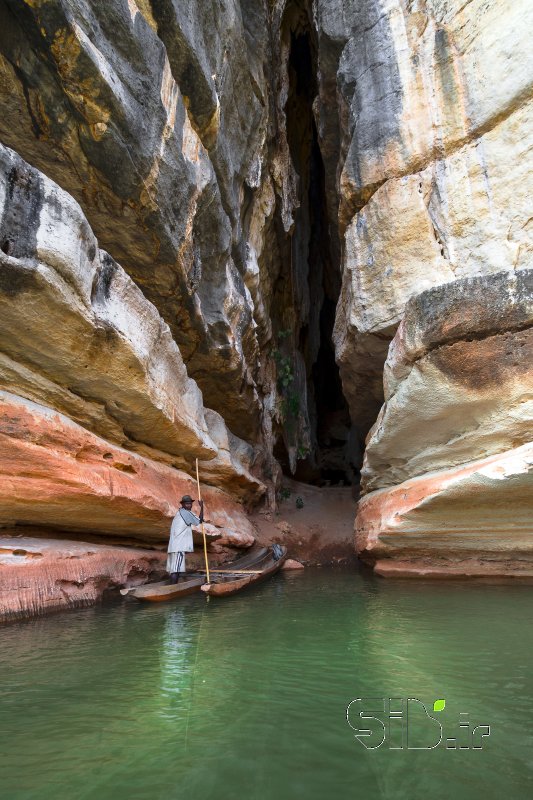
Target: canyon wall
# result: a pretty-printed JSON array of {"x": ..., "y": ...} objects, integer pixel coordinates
[
  {"x": 133, "y": 209},
  {"x": 435, "y": 204},
  {"x": 255, "y": 234}
]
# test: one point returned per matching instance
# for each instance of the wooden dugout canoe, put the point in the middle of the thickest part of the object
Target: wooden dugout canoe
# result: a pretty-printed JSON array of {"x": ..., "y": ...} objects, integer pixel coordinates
[
  {"x": 228, "y": 584},
  {"x": 159, "y": 592}
]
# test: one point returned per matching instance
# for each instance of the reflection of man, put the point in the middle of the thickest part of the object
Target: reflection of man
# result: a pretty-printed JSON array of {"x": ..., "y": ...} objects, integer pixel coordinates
[{"x": 181, "y": 537}]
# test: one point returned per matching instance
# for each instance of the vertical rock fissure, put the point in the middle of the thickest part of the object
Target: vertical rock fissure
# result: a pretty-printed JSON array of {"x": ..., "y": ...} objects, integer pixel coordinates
[{"x": 316, "y": 421}]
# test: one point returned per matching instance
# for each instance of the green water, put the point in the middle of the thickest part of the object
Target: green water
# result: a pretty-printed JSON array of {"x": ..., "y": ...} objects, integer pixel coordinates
[{"x": 246, "y": 697}]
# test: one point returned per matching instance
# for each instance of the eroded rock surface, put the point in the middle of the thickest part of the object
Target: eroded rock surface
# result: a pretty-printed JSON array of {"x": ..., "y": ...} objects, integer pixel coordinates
[
  {"x": 434, "y": 182},
  {"x": 203, "y": 206},
  {"x": 93, "y": 101},
  {"x": 435, "y": 104},
  {"x": 76, "y": 332},
  {"x": 449, "y": 458},
  {"x": 54, "y": 472},
  {"x": 474, "y": 520},
  {"x": 38, "y": 576},
  {"x": 459, "y": 379}
]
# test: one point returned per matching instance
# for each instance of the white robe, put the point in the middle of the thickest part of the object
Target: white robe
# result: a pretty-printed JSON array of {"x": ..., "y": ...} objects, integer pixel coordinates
[{"x": 180, "y": 541}]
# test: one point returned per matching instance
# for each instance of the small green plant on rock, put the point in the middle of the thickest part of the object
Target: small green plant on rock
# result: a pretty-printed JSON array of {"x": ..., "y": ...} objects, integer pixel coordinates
[
  {"x": 299, "y": 502},
  {"x": 285, "y": 374},
  {"x": 290, "y": 401},
  {"x": 283, "y": 494}
]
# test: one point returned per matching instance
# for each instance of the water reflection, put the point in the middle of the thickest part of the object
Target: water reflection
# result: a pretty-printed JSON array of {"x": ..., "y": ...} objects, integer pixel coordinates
[
  {"x": 247, "y": 695},
  {"x": 176, "y": 656}
]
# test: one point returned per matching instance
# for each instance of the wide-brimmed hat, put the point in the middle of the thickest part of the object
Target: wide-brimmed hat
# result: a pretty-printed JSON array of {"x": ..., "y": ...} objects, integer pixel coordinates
[{"x": 186, "y": 499}]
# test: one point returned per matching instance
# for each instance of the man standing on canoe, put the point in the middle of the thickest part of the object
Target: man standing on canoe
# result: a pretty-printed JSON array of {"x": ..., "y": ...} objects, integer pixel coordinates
[{"x": 181, "y": 537}]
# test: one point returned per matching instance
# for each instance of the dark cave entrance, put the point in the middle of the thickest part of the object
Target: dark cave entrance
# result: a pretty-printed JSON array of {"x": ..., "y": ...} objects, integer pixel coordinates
[{"x": 315, "y": 279}]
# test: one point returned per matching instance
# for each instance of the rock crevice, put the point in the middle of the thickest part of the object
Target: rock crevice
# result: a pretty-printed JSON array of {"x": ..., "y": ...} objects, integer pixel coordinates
[{"x": 273, "y": 236}]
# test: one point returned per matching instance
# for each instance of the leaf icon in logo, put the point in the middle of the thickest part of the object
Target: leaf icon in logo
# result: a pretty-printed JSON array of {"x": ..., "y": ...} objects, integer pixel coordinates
[{"x": 439, "y": 705}]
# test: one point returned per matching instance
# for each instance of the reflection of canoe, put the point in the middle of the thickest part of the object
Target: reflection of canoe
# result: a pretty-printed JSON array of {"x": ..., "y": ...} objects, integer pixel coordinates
[
  {"x": 231, "y": 583},
  {"x": 157, "y": 592}
]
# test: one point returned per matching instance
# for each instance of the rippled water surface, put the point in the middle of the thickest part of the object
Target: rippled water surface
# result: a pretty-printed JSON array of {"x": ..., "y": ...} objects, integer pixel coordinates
[{"x": 246, "y": 697}]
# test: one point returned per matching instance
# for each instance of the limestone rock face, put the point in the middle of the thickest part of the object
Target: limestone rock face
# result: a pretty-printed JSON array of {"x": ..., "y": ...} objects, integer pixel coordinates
[
  {"x": 39, "y": 576},
  {"x": 449, "y": 458},
  {"x": 434, "y": 181},
  {"x": 69, "y": 311},
  {"x": 77, "y": 332},
  {"x": 55, "y": 473},
  {"x": 471, "y": 520},
  {"x": 92, "y": 99},
  {"x": 205, "y": 207},
  {"x": 458, "y": 377}
]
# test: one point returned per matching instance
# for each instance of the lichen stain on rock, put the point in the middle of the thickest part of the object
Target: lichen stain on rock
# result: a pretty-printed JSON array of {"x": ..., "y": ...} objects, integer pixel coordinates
[
  {"x": 65, "y": 48},
  {"x": 18, "y": 280},
  {"x": 103, "y": 279},
  {"x": 21, "y": 212},
  {"x": 484, "y": 364}
]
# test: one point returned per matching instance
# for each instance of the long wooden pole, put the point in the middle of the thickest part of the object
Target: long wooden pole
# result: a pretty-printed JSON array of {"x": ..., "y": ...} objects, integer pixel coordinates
[{"x": 203, "y": 531}]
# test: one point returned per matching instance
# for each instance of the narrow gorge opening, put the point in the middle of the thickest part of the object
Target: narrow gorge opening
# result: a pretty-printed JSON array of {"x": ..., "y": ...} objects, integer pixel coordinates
[{"x": 315, "y": 446}]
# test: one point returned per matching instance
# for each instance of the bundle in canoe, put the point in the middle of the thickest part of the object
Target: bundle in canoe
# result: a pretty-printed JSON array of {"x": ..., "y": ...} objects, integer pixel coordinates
[
  {"x": 232, "y": 582},
  {"x": 158, "y": 592}
]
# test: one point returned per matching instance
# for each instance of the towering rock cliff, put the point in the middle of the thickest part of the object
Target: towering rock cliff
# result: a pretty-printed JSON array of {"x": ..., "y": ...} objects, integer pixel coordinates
[
  {"x": 435, "y": 207},
  {"x": 225, "y": 227}
]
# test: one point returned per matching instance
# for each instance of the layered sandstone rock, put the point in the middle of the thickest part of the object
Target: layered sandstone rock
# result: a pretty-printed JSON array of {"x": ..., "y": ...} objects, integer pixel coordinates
[
  {"x": 450, "y": 456},
  {"x": 78, "y": 334},
  {"x": 92, "y": 99},
  {"x": 191, "y": 193},
  {"x": 459, "y": 379},
  {"x": 435, "y": 108},
  {"x": 120, "y": 368},
  {"x": 38, "y": 576},
  {"x": 471, "y": 520},
  {"x": 434, "y": 181},
  {"x": 55, "y": 473}
]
